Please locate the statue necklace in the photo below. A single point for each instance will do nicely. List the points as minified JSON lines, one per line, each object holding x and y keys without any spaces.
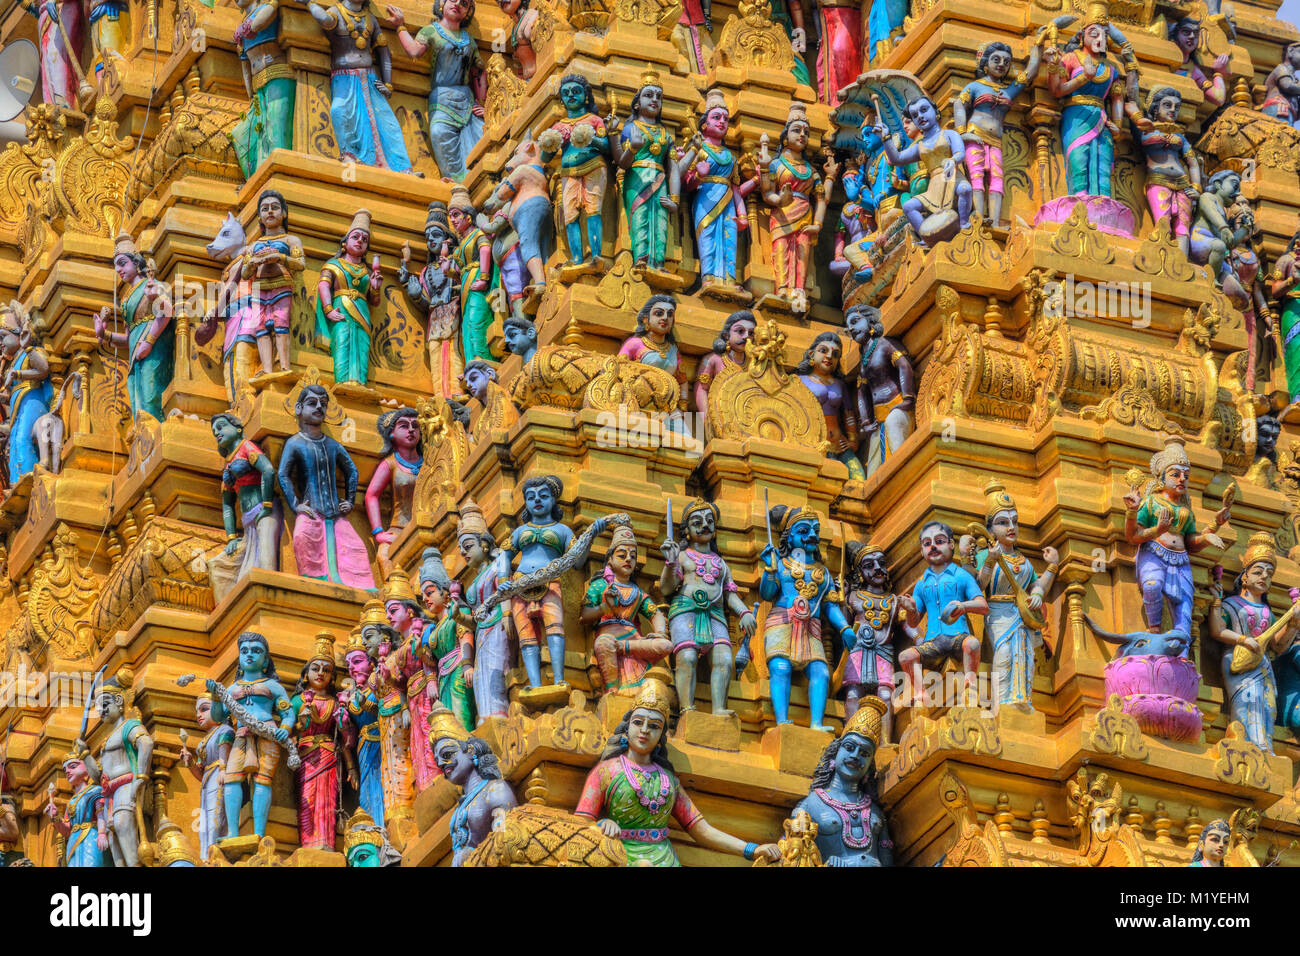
{"x":854,"y":817}
{"x":357,"y":25}
{"x":460,"y":819}
{"x":636,"y":779}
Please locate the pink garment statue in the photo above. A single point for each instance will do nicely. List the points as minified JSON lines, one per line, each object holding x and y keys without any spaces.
{"x":58,"y":75}
{"x":840,"y":54}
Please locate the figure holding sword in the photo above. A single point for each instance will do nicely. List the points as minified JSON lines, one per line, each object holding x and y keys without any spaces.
{"x":868,"y":663}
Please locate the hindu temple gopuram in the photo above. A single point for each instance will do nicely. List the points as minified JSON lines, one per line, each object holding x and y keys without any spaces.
{"x":649,"y":432}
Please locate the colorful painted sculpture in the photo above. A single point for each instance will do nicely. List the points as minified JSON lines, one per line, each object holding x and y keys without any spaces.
{"x":433,"y":289}
{"x":1015,"y":596}
{"x":1185,"y":32}
{"x":206,"y":765}
{"x":273,"y":265}
{"x":945,"y":596}
{"x":483,"y":385}
{"x":324,"y":541}
{"x":365,"y":843}
{"x":457,"y":81}
{"x":1214,"y":234}
{"x":363,"y":708}
{"x":478,"y":275}
{"x":1212,"y":844}
{"x":728,"y":351}
{"x":525,"y":20}
{"x":489,"y":568}
{"x":239,"y":347}
{"x":633,"y":793}
{"x":852,"y":243}
{"x":523,"y":193}
{"x":886,"y":392}
{"x":1173,"y":173}
{"x":613,"y":607}
{"x":945,"y":205}
{"x":884,"y":23}
{"x":110,"y":33}
{"x":867,"y":668}
{"x":123,"y":769}
{"x":693,"y":34}
{"x":400,"y":459}
{"x":700,"y":590}
{"x":711,"y":174}
{"x":651,"y":179}
{"x":979,"y":113}
{"x":842,"y":800}
{"x":261,"y":730}
{"x":365,"y":127}
{"x":840,"y":49}
{"x":802,"y":592}
{"x":346,"y":295}
{"x":323,"y":731}
{"x":84,"y":821}
{"x":581,"y":141}
{"x":508,"y":257}
{"x":448,"y":647}
{"x":797,"y":195}
{"x":1284,"y":290}
{"x":26,"y":387}
{"x":1282,"y":88}
{"x":269,"y":83}
{"x":654,"y":343}
{"x":410,"y":671}
{"x":61,"y":34}
{"x":789,"y":14}
{"x":520,"y":337}
{"x":470,"y":764}
{"x":1251,"y":634}
{"x":150,"y":339}
{"x":250,"y":511}
{"x":820,"y":370}
{"x":394,"y":721}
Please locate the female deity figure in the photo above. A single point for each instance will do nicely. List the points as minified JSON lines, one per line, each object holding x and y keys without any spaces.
{"x":1244,"y":624}
{"x":653,"y":341}
{"x":470,"y":764}
{"x":364,"y":124}
{"x":1282,"y":88}
{"x":1088,"y":83}
{"x":1186,"y":35}
{"x":524,"y":19}
{"x":407,"y":671}
{"x":61,"y":26}
{"x":633,"y":793}
{"x":84,"y":822}
{"x":718,"y":208}
{"x":399,"y":465}
{"x":489,"y":568}
{"x":248,"y":502}
{"x":728,"y":351}
{"x":457,"y":81}
{"x":1284,"y":290}
{"x":1212,"y":844}
{"x":1215,"y":232}
{"x":1162,"y":526}
{"x":979,"y":113}
{"x":651,"y":179}
{"x":581,"y":140}
{"x":272,"y":264}
{"x":150,"y":338}
{"x":869,"y":660}
{"x":347,"y":294}
{"x":540,"y":538}
{"x":1005,"y":575}
{"x":206,"y":765}
{"x":1173,"y":174}
{"x":26,"y":385}
{"x":840,"y":54}
{"x":612,"y":606}
{"x":322,"y":729}
{"x":110,"y":32}
{"x":947,"y":191}
{"x":433,"y":289}
{"x":478,"y":274}
{"x":269,"y":83}
{"x":803,"y":592}
{"x":393,"y":720}
{"x":258,"y":690}
{"x":700,"y":590}
{"x":363,"y":709}
{"x":324,"y":542}
{"x":448,"y":647}
{"x":820,"y":371}
{"x":797,"y":195}
{"x":886,"y":386}
{"x":524,"y":194}
{"x":842,"y":800}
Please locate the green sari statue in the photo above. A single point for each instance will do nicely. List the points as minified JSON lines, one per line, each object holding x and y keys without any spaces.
{"x":346,"y":294}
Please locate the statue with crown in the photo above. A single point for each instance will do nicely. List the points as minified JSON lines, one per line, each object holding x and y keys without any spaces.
{"x":149,"y":335}
{"x":469,"y":763}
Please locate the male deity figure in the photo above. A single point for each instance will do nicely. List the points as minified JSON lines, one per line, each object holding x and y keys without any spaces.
{"x":886,"y":386}
{"x":269,"y":83}
{"x":26,"y":391}
{"x":869,"y":660}
{"x":258,"y":691}
{"x":700,"y":590}
{"x":249,"y":508}
{"x":945,"y":596}
{"x":851,"y":825}
{"x":470,"y":764}
{"x":363,"y":708}
{"x":365,"y":126}
{"x":582,"y":143}
{"x":365,"y":843}
{"x":433,"y":289}
{"x":489,"y":568}
{"x":521,"y":338}
{"x":803,"y":592}
{"x":1213,"y":235}
{"x":122,"y":769}
{"x":1212,"y":845}
{"x":1282,"y":88}
{"x":324,"y":541}
{"x":1173,"y":174}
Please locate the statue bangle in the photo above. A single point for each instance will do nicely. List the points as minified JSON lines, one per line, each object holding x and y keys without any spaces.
{"x":749,"y":850}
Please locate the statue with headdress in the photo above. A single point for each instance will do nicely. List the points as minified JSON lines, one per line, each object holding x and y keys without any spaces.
{"x":1173,"y":172}
{"x":447,"y":646}
{"x":478,"y":274}
{"x":581,"y":143}
{"x":1212,"y":844}
{"x":324,"y":734}
{"x":347,"y":294}
{"x":433,"y":290}
{"x":409,"y":671}
{"x":365,"y":843}
{"x":393,"y":720}
{"x":400,"y":459}
{"x":150,"y":336}
{"x":26,"y":389}
{"x":866,"y":668}
{"x":269,"y":83}
{"x":1282,"y":88}
{"x":524,"y":195}
{"x":489,"y":568}
{"x":1188,"y":34}
{"x":123,"y":768}
{"x":83,"y":824}
{"x":469,"y":763}
{"x":248,"y":504}
{"x":842,"y":799}
{"x":362,"y":702}
{"x":206,"y":764}
{"x":651,"y":178}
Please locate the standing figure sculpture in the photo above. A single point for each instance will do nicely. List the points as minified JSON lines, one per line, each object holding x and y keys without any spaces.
{"x":410,"y":669}
{"x":110,"y":33}
{"x":700,"y":590}
{"x":869,"y":660}
{"x":842,"y":799}
{"x":653,"y":341}
{"x":61,"y":34}
{"x":1282,"y":88}
{"x":581,"y":140}
{"x":268,"y":82}
{"x":273,"y":264}
{"x":1250,"y":634}
{"x":802,"y":592}
{"x":524,"y":194}
{"x":1173,"y":173}
{"x":944,"y":207}
{"x":324,"y":542}
{"x":728,"y":352}
{"x":123,"y":769}
{"x":633,"y":794}
{"x":1186,"y":35}
{"x":250,"y":511}
{"x":821,"y":372}
{"x":478,"y":275}
{"x":239,"y":347}
{"x":612,"y":606}
{"x":448,"y":647}
{"x":26,"y":387}
{"x":433,"y":289}
{"x":470,"y":764}
{"x":1284,"y":290}
{"x":797,"y":195}
{"x":457,"y":81}
{"x":886,"y":392}
{"x":363,"y":709}
{"x":651,"y":179}
{"x":150,"y":339}
{"x":252,"y":755}
{"x":400,"y":459}
{"x":206,"y":765}
{"x":347,"y":294}
{"x":84,"y":822}
{"x":489,"y":569}
{"x":322,"y":730}
{"x":365,"y":127}
{"x":394,"y":720}
{"x":693,"y":35}
{"x":840,"y":53}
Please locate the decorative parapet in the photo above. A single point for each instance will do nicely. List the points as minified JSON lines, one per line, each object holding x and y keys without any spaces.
{"x":57,"y":612}
{"x":571,"y":729}
{"x":547,"y":836}
{"x":195,"y":138}
{"x":965,"y":729}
